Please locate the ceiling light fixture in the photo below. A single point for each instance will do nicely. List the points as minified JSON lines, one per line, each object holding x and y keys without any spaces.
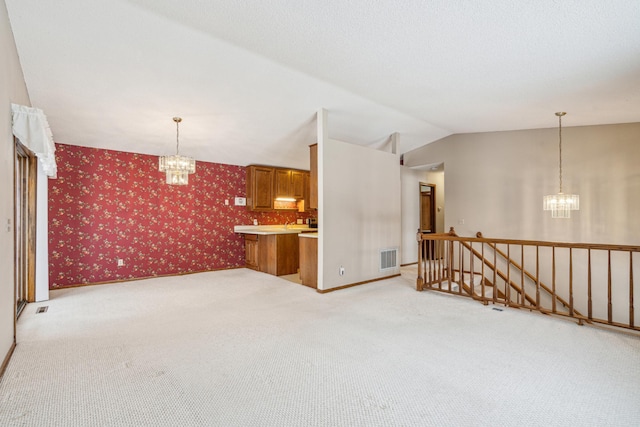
{"x":561,"y":204}
{"x":177,"y":167}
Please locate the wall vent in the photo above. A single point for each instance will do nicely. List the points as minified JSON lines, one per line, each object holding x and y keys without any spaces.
{"x":42,"y":309}
{"x":388,"y":259}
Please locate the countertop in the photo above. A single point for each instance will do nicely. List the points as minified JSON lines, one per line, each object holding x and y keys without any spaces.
{"x":311,"y":235}
{"x":274,"y":229}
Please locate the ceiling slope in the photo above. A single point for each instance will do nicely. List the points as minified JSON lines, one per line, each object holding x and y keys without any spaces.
{"x":248,"y":77}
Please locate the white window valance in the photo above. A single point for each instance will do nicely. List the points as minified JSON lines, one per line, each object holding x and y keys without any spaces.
{"x":31,"y":127}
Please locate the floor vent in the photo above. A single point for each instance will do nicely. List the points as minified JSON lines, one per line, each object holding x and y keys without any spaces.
{"x":388,"y":259}
{"x":42,"y":309}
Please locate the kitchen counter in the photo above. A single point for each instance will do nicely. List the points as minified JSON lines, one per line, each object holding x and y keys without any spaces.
{"x":311,"y":235}
{"x":265,"y":230}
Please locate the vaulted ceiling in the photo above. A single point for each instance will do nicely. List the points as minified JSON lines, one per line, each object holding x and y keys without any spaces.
{"x":247,"y":77}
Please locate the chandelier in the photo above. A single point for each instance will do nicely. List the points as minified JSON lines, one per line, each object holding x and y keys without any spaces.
{"x":561,"y":204}
{"x":177,"y":167}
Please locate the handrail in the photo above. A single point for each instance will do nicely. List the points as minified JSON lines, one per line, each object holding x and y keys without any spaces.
{"x":601,"y":285}
{"x":527,"y":273}
{"x":500,"y":274}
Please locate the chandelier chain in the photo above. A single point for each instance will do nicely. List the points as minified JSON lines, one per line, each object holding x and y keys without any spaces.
{"x":560,"y":146}
{"x":177,"y":120}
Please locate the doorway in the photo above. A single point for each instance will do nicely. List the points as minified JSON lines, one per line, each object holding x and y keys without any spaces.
{"x":428,"y":214}
{"x":427,"y":208}
{"x":25,"y":226}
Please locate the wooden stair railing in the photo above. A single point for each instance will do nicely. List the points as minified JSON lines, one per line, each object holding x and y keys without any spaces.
{"x":596,"y":278}
{"x":520,"y":290}
{"x":529,"y":276}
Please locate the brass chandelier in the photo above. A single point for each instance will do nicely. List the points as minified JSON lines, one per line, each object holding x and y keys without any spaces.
{"x":177,"y":167}
{"x":561,"y":204}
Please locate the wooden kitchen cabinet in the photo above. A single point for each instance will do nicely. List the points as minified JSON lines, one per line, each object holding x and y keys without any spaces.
{"x":276,"y":254}
{"x":289,"y":183}
{"x":306,"y":190}
{"x":282,"y":186}
{"x":251,"y":251}
{"x":279,"y":254}
{"x":309,"y":261}
{"x":297,"y":184}
{"x":260,"y":181}
{"x":313,"y":181}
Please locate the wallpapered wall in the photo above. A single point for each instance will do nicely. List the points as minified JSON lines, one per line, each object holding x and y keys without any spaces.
{"x":106,"y":205}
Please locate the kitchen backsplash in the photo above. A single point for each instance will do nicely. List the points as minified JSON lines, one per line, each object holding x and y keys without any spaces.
{"x":107,"y":205}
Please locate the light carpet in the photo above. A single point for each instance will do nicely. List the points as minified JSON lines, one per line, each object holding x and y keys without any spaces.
{"x":242,"y":348}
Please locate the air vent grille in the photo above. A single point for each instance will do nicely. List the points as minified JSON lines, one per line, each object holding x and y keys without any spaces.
{"x":388,"y":259}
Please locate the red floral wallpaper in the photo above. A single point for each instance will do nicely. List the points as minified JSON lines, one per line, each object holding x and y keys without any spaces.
{"x":107,"y":205}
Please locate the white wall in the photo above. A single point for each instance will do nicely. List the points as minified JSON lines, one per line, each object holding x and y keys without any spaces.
{"x":359,"y":211}
{"x":12,"y":89}
{"x":495,"y":182}
{"x":411,"y":179}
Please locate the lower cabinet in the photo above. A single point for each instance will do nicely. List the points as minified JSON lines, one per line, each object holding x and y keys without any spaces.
{"x":309,"y":262}
{"x":251,"y":251}
{"x":275,"y":254}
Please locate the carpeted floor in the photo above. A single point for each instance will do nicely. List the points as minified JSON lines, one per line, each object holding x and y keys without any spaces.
{"x":241,"y":348}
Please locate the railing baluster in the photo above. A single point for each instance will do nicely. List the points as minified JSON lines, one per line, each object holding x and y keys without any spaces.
{"x":631,"y":309}
{"x":571,"y":282}
{"x":471,"y":268}
{"x":450,"y":263}
{"x":553,"y":280}
{"x":460,"y":268}
{"x":522,"y":292}
{"x":590,"y":307}
{"x":508,"y":284}
{"x":495,"y":273}
{"x":420,"y":280}
{"x":610,"y":306}
{"x":482,"y":279}
{"x":537,"y":276}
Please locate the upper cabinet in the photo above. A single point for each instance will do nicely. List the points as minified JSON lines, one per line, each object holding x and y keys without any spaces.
{"x":289,"y":184}
{"x":297,"y":184}
{"x":260,"y":188}
{"x":265,"y":184}
{"x":313,"y":178}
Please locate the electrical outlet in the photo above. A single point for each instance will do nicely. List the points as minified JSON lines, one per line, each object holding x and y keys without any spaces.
{"x":226,"y":202}
{"x":341,"y":271}
{"x":120,"y":262}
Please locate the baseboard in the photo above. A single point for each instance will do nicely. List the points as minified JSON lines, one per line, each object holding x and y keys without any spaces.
{"x":324,"y":291}
{"x":7,"y":358}
{"x":80,"y":285}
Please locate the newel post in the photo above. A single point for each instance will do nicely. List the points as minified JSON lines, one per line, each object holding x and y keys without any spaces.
{"x":419,"y":280}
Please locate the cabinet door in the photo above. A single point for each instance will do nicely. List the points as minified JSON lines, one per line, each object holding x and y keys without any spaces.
{"x":251,"y":250}
{"x":283,"y":183}
{"x":297,"y":184}
{"x":260,"y":188}
{"x":307,"y":191}
{"x":313,"y":191}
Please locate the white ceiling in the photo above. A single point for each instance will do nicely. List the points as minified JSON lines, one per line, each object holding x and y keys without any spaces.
{"x":247,"y":77}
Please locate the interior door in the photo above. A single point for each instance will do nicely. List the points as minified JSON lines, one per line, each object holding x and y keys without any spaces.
{"x":427,"y":208}
{"x":428,"y":214}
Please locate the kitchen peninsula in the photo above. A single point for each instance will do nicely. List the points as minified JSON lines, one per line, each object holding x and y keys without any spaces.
{"x":272,"y":249}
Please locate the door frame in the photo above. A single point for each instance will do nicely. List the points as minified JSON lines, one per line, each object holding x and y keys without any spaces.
{"x":433,"y":205}
{"x":25,"y":186}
